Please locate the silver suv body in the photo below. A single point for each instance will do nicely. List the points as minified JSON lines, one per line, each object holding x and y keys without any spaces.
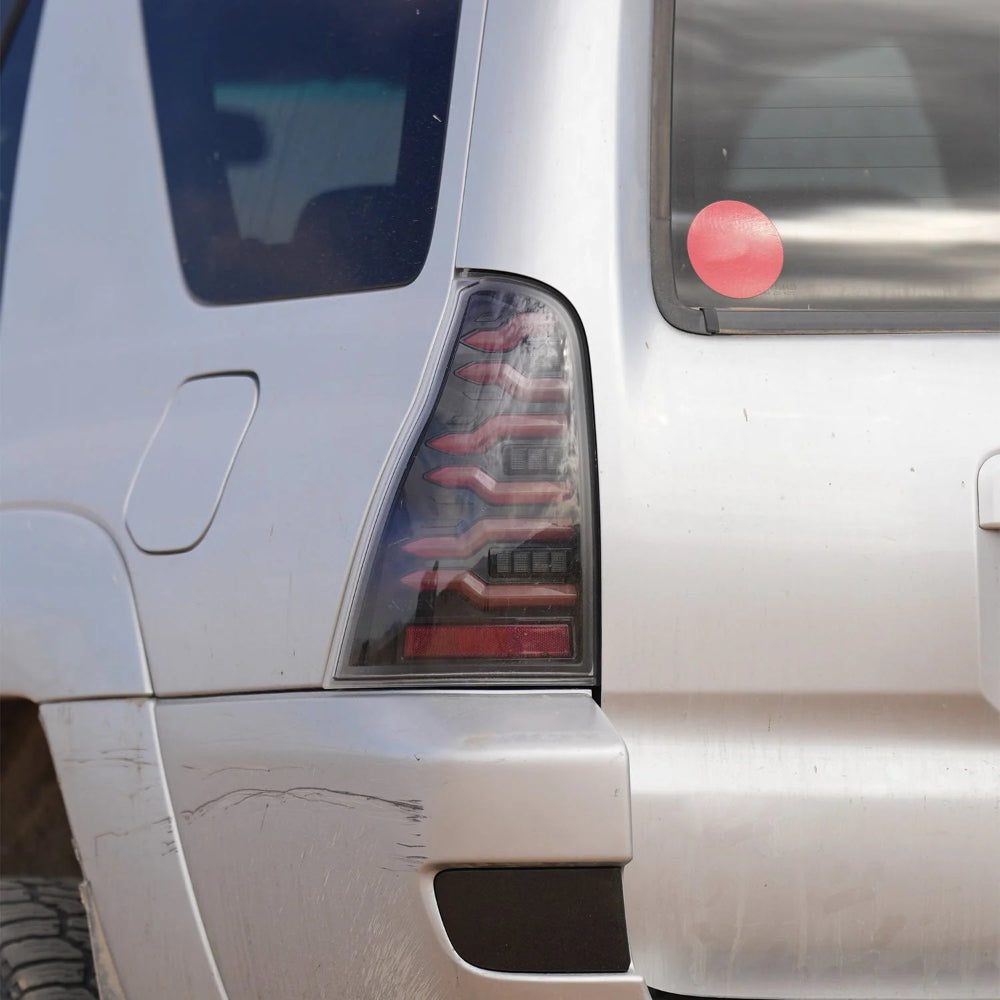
{"x":773,"y":732}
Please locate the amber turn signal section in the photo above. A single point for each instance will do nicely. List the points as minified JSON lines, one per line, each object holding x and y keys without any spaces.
{"x":482,"y":567}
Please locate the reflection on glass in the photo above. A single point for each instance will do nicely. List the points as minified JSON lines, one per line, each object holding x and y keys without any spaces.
{"x":302,"y":140}
{"x":868,"y":133}
{"x":319,"y":136}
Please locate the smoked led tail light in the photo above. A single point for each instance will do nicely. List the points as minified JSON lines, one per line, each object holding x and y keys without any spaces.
{"x":481,"y":566}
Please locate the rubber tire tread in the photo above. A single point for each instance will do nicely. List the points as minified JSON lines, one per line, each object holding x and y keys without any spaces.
{"x":44,"y":941}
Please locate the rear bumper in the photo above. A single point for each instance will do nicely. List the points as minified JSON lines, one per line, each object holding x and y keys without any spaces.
{"x":814,"y":846}
{"x":285,"y":845}
{"x":313,"y":827}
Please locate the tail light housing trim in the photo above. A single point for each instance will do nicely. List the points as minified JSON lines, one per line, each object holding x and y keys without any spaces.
{"x":479,"y":561}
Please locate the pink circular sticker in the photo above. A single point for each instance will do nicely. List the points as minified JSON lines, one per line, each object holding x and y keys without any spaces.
{"x":735,"y":249}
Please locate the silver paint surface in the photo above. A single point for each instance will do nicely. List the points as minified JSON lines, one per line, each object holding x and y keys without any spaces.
{"x":313,"y":825}
{"x":108,"y":761}
{"x":68,"y":626}
{"x":184,"y":470}
{"x":99,"y":331}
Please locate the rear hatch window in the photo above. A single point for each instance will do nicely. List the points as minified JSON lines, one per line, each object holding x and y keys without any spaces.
{"x":828,"y":166}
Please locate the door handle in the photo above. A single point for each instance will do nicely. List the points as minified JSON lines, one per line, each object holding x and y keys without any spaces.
{"x":989,"y":494}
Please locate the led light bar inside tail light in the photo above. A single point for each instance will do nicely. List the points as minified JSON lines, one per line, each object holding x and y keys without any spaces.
{"x":498,"y":429}
{"x":493,"y":596}
{"x":481,"y":565}
{"x":490,"y":529}
{"x":494,"y":491}
{"x":477,"y":641}
{"x":518,"y":384}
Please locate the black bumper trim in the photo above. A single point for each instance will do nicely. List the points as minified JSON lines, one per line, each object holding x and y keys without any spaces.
{"x":541,"y":920}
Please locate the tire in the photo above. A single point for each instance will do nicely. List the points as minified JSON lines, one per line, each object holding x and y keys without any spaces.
{"x":44,"y":941}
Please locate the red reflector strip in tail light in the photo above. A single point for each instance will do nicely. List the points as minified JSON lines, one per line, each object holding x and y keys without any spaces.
{"x":516,"y":383}
{"x":515,"y":331}
{"x":490,"y":529}
{"x":493,"y":596}
{"x":497,"y":429}
{"x":474,"y":642}
{"x":507,"y":493}
{"x":480,"y":565}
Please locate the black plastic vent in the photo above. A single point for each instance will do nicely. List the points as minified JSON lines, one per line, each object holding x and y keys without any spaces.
{"x":555,"y":920}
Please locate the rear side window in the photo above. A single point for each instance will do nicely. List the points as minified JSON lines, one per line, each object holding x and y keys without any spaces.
{"x":19,"y":22}
{"x":302,"y":140}
{"x":827,"y":166}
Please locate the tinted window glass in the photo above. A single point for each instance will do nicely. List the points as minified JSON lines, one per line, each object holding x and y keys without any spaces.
{"x":17,"y":47}
{"x":832,"y":157}
{"x":302,"y":139}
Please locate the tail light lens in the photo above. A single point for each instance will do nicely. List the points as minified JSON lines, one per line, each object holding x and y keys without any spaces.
{"x":482,"y":564}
